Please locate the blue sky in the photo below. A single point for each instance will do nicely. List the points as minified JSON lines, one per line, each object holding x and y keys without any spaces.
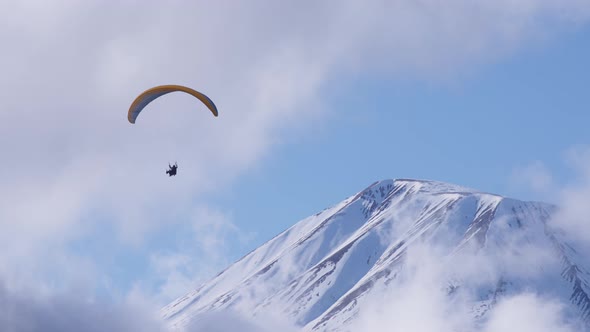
{"x":316,"y":101}
{"x":474,"y":129}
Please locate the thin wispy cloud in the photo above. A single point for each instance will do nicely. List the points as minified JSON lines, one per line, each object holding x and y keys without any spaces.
{"x":534,"y":176}
{"x":570,"y":197}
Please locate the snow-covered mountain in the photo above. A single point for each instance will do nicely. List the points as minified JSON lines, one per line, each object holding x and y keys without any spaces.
{"x":326,"y":268}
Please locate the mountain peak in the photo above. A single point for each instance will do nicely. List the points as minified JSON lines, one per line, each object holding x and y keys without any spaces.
{"x":320,"y":271}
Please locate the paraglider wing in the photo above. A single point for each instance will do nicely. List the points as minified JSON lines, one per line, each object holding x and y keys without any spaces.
{"x":151,"y":94}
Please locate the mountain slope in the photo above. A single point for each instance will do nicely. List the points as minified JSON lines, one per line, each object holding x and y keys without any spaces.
{"x":322,"y":271}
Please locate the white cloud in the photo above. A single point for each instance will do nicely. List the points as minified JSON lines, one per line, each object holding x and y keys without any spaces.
{"x":528,"y":313}
{"x":572,"y":199}
{"x":201,"y":248}
{"x":419,"y":298}
{"x":416,"y":300}
{"x":535,"y":176}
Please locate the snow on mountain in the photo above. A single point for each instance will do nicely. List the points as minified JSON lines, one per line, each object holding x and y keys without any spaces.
{"x":324,"y":270}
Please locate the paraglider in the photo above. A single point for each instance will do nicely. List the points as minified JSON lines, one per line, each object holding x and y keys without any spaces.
{"x":152,"y":94}
{"x":172,"y":170}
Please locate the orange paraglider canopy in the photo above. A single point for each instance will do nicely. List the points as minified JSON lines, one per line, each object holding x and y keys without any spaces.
{"x":151,"y":94}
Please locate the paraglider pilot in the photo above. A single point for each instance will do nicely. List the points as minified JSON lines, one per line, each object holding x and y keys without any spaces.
{"x":172,"y":170}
